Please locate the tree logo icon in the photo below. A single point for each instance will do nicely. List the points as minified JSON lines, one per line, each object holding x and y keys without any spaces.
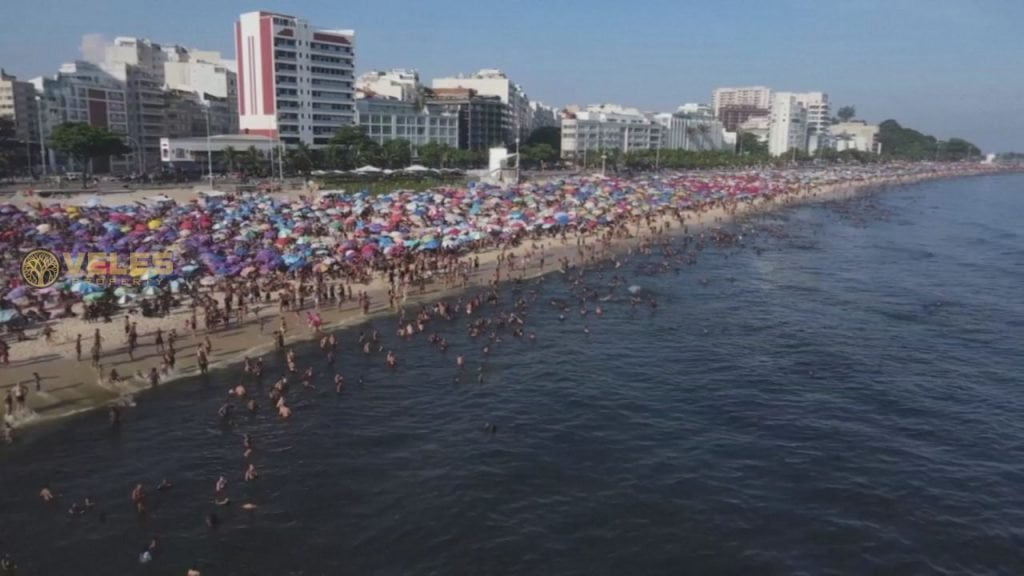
{"x":40,"y":268}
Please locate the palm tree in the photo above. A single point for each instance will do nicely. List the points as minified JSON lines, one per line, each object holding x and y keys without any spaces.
{"x":704,"y":130}
{"x":252,"y":162}
{"x":230,"y":158}
{"x":301,"y":158}
{"x":691,"y":131}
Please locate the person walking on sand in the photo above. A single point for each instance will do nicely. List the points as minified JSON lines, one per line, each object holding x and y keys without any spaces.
{"x":78,"y":347}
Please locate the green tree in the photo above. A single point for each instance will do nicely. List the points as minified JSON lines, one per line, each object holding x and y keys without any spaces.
{"x":252,"y":163}
{"x":539,"y":155}
{"x":300,"y":159}
{"x":351,"y":147}
{"x":229,"y":158}
{"x":435,"y":155}
{"x":847,"y":113}
{"x":84,"y":142}
{"x":550,"y":135}
{"x":750,"y":145}
{"x":396,"y":154}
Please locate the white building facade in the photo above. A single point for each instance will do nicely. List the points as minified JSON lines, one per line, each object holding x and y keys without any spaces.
{"x":493,"y":82}
{"x":84,"y":92}
{"x":607,"y":127}
{"x":856,"y":135}
{"x":295,"y":81}
{"x":18,"y":103}
{"x":681,"y":131}
{"x":397,"y":84}
{"x":787,"y":125}
{"x":386,"y":119}
{"x":819,"y":118}
{"x":750,"y":96}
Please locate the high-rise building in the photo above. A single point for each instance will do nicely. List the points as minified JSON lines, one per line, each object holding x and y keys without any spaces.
{"x":158,"y":78}
{"x":855,"y":135}
{"x":18,"y":103}
{"x":493,"y":82}
{"x":395,"y":84}
{"x":818,"y":118}
{"x":204,"y":74}
{"x":787,"y":124}
{"x":84,"y":92}
{"x":733,"y":116}
{"x":753,"y":96}
{"x":481,"y":118}
{"x":386,"y":119}
{"x":692,"y":127}
{"x":295,"y":81}
{"x":543,"y":115}
{"x":607,"y":127}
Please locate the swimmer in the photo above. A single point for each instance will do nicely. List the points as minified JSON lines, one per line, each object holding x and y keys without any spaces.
{"x":164,"y":485}
{"x":284,"y":412}
{"x":221,"y":484}
{"x":212,"y":520}
{"x":339,"y":383}
{"x":252,"y":406}
{"x":250,"y":473}
{"x":249,"y":506}
{"x":46,"y":495}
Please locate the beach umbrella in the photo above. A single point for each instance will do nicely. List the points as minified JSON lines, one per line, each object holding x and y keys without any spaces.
{"x":83,"y":287}
{"x":92,"y":297}
{"x":151,"y":291}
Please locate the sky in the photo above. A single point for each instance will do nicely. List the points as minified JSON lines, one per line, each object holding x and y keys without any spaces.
{"x":945,"y":67}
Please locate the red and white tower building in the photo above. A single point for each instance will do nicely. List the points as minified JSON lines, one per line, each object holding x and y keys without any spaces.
{"x":295,"y":81}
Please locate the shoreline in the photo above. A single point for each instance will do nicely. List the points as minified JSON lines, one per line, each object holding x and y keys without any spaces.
{"x":71,"y":387}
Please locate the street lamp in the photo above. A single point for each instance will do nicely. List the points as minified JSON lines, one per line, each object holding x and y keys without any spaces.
{"x":209,"y":148}
{"x":42,"y":143}
{"x":138,"y":158}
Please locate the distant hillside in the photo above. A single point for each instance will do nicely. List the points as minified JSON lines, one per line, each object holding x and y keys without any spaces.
{"x":909,"y":144}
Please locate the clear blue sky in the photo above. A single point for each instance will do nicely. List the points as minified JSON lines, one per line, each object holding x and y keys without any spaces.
{"x":948,"y":67}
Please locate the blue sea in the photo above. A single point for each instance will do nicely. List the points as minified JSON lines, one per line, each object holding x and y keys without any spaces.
{"x":838,"y":392}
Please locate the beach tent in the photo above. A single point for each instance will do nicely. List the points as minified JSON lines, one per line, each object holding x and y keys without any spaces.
{"x":367,"y":170}
{"x":417,"y":168}
{"x":9,"y":317}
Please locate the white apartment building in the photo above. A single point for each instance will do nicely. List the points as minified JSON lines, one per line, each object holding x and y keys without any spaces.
{"x":84,"y":92}
{"x":397,"y":84}
{"x":295,"y":81}
{"x":856,"y":135}
{"x":759,"y":126}
{"x":387,"y":119}
{"x":542,"y":116}
{"x":819,"y":118}
{"x":607,"y":127}
{"x":787,"y":124}
{"x":157,"y":78}
{"x":493,"y":82}
{"x":749,"y":96}
{"x":682,"y":131}
{"x":694,"y":109}
{"x":18,"y":103}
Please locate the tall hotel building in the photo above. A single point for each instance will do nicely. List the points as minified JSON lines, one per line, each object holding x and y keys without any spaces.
{"x":295,"y":81}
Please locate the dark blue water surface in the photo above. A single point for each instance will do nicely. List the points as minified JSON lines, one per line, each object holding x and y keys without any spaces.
{"x":847,"y":399}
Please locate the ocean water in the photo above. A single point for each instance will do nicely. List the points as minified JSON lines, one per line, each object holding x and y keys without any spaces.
{"x":840,"y":395}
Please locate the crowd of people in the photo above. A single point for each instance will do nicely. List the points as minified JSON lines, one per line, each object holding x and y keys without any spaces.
{"x":309,"y":256}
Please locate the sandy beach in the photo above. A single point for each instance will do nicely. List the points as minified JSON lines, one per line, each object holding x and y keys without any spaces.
{"x":68,"y":385}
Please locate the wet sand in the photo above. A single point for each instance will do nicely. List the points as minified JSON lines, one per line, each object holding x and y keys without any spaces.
{"x":69,"y":386}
